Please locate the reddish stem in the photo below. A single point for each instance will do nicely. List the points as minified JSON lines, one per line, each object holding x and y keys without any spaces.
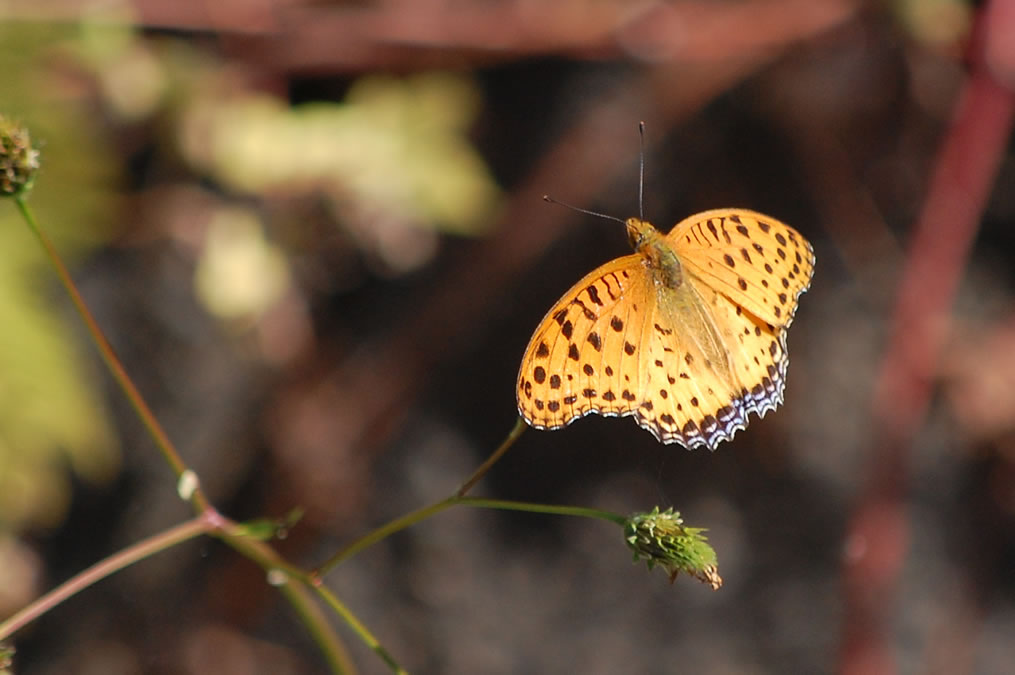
{"x":878,"y":533}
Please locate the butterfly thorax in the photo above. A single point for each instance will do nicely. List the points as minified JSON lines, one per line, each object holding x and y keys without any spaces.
{"x":678,"y":301}
{"x":659,"y":255}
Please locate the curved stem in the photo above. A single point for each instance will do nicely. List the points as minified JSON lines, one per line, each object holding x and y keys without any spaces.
{"x":317,"y":624}
{"x":512,"y":436}
{"x":382,"y":532}
{"x":365,"y":635}
{"x":158,"y":434}
{"x":416,"y":516}
{"x":298,"y":595}
{"x":209,"y":521}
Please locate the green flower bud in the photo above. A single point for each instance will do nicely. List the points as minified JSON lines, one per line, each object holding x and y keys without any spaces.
{"x":19,"y":159}
{"x":660,"y":538}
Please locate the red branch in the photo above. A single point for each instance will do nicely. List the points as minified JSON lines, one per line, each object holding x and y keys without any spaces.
{"x":878,"y":534}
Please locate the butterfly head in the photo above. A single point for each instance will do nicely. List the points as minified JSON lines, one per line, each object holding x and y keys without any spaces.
{"x":659,"y":255}
{"x":639,"y":232}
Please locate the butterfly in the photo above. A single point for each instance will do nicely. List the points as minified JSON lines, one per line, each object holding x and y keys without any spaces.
{"x":687,"y":335}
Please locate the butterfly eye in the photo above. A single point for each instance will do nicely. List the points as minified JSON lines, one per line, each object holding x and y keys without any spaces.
{"x":637,"y":231}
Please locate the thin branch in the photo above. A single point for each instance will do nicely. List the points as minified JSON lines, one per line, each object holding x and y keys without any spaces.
{"x":104,"y":568}
{"x":137,"y":402}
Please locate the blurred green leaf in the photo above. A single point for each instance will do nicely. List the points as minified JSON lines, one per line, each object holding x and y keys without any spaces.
{"x":51,"y":418}
{"x":394,"y":150}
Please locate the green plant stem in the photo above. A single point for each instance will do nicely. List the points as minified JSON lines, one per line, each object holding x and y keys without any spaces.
{"x":335,"y":653}
{"x":102,"y":569}
{"x":382,"y":532}
{"x":549,"y":509}
{"x":365,"y":635}
{"x":478,"y":474}
{"x":209,"y":521}
{"x":298,"y":595}
{"x":158,"y":434}
{"x":416,"y":516}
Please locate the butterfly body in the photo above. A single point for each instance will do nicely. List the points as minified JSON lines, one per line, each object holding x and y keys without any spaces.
{"x":687,"y":335}
{"x":678,"y":300}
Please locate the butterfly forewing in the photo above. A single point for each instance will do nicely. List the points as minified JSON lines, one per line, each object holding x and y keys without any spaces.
{"x":759,"y":262}
{"x":580,"y":358}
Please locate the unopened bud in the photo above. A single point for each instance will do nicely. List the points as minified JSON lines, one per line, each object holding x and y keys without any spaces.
{"x":660,"y":538}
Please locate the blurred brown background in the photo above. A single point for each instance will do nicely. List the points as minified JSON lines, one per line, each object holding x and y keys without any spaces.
{"x":314,"y":232}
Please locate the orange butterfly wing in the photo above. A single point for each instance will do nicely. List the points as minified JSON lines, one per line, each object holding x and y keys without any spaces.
{"x":689,"y":362}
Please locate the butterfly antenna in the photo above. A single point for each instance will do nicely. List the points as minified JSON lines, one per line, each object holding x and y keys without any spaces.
{"x":548,"y":198}
{"x":641,"y":173}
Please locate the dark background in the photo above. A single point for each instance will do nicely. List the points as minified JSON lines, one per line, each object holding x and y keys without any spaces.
{"x":865,"y":526}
